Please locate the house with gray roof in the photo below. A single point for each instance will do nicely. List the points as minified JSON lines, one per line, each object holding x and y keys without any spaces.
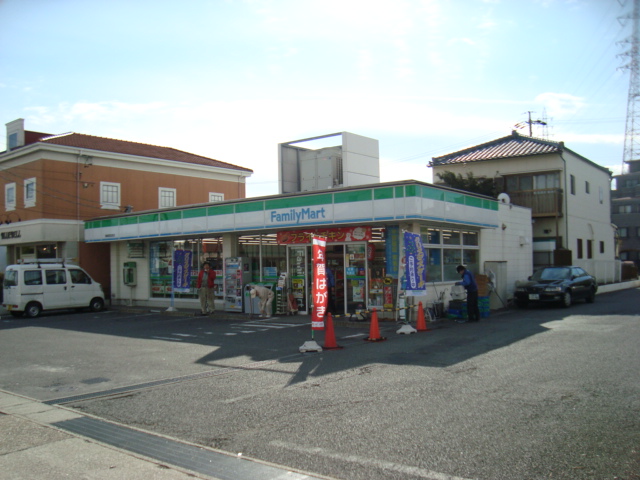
{"x":569,"y":196}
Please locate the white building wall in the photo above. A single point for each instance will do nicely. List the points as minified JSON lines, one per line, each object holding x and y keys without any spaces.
{"x":511,"y":243}
{"x":589,"y":215}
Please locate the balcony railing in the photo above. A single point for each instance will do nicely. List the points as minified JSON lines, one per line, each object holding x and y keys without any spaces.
{"x":546,"y":202}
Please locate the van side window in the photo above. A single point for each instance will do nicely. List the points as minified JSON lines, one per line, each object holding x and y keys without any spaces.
{"x":56,"y":277}
{"x":78,"y":276}
{"x":11,"y":278}
{"x":32,"y":277}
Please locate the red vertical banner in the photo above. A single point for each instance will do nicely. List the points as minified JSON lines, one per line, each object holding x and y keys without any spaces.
{"x":320,"y":288}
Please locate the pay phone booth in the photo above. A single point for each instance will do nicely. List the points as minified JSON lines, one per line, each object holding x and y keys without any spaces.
{"x":129,"y":274}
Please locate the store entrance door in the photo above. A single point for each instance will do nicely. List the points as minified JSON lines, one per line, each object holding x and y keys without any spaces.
{"x":348,"y":264}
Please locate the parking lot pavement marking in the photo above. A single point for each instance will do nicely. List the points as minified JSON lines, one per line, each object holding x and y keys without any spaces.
{"x":355,"y":459}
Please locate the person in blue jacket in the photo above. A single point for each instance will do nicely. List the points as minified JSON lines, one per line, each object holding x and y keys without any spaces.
{"x":470,"y":285}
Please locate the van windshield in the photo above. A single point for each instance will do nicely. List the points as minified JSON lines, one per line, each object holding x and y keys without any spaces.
{"x":10,"y":278}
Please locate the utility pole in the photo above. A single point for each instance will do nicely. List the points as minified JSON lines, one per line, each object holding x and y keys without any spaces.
{"x":531,"y":122}
{"x":632,"y":128}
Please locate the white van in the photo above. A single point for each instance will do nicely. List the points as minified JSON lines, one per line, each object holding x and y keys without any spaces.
{"x":31,"y":288}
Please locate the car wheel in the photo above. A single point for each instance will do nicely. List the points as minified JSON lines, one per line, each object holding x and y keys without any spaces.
{"x":96,"y":305}
{"x":566,"y":299}
{"x":591,"y":297}
{"x":33,"y":310}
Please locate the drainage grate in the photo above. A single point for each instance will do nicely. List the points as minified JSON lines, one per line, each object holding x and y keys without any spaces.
{"x":166,"y":451}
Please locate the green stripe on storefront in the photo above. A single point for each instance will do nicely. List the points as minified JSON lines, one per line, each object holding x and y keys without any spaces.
{"x":153,"y":217}
{"x":109,"y":222}
{"x":382,"y":193}
{"x":128,"y":221}
{"x":355,"y":196}
{"x":295,"y":202}
{"x":164,"y":216}
{"x":194,"y":213}
{"x":249,"y":207}
{"x":432,"y":193}
{"x":221,"y":210}
{"x":364,"y":195}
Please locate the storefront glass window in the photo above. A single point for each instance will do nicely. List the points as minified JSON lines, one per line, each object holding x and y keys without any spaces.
{"x":274,"y":256}
{"x":452,"y":258}
{"x":430,"y":236}
{"x":355,"y":277}
{"x":442,"y":262}
{"x":470,"y":259}
{"x":207,"y":250}
{"x":450,"y":237}
{"x":470,"y":238}
{"x":434,"y":265}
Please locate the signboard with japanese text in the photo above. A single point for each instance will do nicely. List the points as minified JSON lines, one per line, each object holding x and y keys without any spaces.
{"x":182,"y":270}
{"x":320,"y":287}
{"x":337,"y":234}
{"x":415,"y":264}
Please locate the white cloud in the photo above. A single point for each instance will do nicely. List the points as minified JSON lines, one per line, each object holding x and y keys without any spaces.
{"x":559,"y":104}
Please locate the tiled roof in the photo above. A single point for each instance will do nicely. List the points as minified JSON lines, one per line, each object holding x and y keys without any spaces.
{"x":91,"y":142}
{"x":514,"y":145}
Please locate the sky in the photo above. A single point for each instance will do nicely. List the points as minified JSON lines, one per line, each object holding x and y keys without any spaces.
{"x":231,"y":79}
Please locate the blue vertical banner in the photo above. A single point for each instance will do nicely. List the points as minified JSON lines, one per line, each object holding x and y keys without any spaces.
{"x":182,"y":270}
{"x":415,"y":267}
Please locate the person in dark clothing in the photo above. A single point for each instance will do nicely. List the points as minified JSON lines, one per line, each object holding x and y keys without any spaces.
{"x":470,"y":285}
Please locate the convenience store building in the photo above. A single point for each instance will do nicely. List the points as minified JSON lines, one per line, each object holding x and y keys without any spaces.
{"x":259,"y":239}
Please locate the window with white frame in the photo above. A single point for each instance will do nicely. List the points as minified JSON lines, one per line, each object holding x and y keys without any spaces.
{"x":10,"y":196}
{"x":448,"y":248}
{"x":216,"y":197}
{"x":110,"y":195}
{"x":166,"y":197}
{"x":30,"y":192}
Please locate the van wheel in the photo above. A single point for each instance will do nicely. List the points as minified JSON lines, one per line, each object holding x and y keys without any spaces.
{"x":33,"y":310}
{"x":96,"y":305}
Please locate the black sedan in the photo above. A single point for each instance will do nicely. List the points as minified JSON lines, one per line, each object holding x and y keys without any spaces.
{"x":557,"y":284}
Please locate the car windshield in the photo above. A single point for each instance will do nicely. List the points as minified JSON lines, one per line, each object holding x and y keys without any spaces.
{"x":558,"y":273}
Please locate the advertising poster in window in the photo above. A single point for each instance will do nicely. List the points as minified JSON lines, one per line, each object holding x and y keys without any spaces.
{"x":182,"y":270}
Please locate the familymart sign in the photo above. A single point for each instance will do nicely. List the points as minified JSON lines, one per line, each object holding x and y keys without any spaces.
{"x":297,"y":216}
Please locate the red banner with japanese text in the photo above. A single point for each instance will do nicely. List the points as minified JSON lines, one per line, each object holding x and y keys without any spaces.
{"x":320,"y":288}
{"x":337,"y":234}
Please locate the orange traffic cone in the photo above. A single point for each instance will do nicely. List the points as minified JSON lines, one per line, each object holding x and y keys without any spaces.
{"x":421,"y":324}
{"x":329,"y":335}
{"x":374,"y":331}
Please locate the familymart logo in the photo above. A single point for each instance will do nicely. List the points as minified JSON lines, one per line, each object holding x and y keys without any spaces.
{"x":298,"y":215}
